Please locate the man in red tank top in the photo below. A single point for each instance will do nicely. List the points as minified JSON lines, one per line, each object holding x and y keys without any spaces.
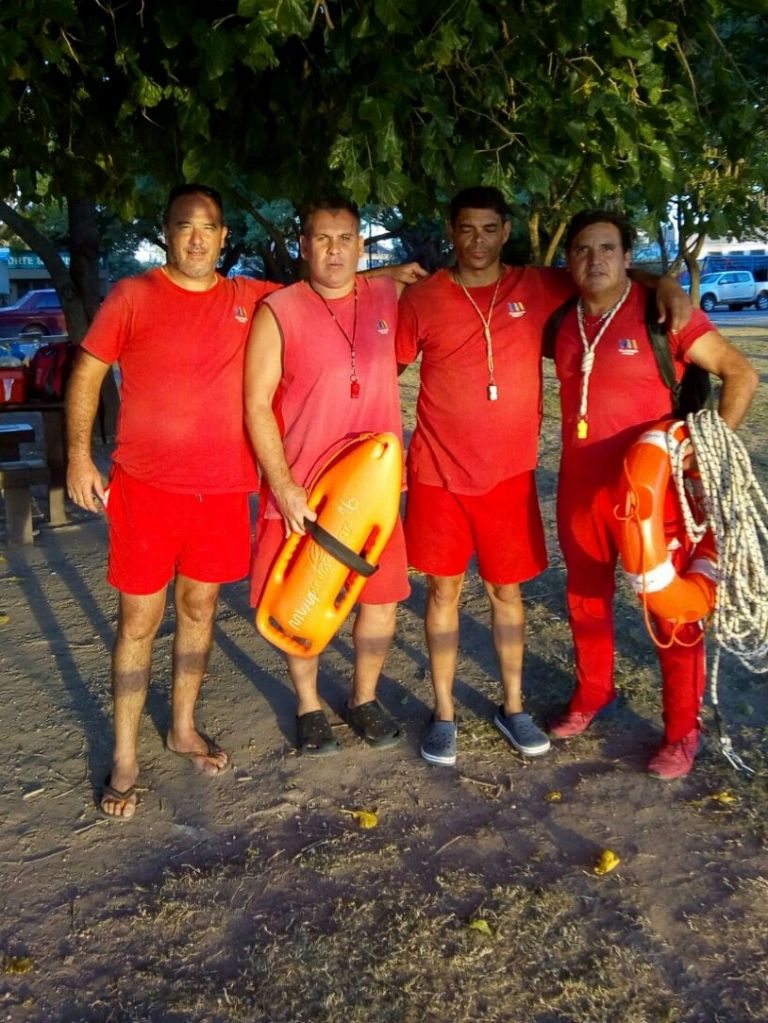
{"x":320,"y":368}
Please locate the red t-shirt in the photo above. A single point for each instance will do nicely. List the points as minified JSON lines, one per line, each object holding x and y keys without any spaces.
{"x":626,"y":391}
{"x":181,"y":355}
{"x":463,"y":441}
{"x":313,"y":402}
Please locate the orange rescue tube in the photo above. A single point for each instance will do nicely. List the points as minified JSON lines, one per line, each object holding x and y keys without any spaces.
{"x":679,"y":598}
{"x":309,"y":591}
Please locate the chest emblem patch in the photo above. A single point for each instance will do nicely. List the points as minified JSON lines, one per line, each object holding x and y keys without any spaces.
{"x":515,"y":309}
{"x":382,"y":327}
{"x":241,"y":314}
{"x":628,"y":346}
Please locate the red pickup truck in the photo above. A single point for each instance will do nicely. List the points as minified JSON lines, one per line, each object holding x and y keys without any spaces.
{"x":37,"y":313}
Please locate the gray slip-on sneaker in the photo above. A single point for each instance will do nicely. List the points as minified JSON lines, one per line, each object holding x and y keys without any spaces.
{"x":439,"y":743}
{"x":520,"y":730}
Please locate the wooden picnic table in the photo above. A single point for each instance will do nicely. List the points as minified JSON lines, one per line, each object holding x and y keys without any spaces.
{"x":54,"y":427}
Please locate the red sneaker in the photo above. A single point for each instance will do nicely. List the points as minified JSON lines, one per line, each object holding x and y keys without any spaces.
{"x":675,"y":759}
{"x":572,"y":723}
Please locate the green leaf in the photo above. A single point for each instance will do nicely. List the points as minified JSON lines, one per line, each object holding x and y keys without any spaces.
{"x":148,"y":93}
{"x":390,"y":14}
{"x":375,"y":111}
{"x":664,"y":159}
{"x":601,"y":182}
{"x":191,"y":164}
{"x":258,"y":53}
{"x":388,"y":146}
{"x":253,"y":8}
{"x":467,"y":165}
{"x":619,"y":11}
{"x":537,"y":180}
{"x":291,"y":17}
{"x":393,"y":187}
{"x":171,"y":24}
{"x":363,"y":27}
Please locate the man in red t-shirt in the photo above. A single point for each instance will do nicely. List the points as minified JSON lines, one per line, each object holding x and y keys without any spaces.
{"x":177,"y":500}
{"x":471,"y":460}
{"x":471,"y":488}
{"x":610,"y":390}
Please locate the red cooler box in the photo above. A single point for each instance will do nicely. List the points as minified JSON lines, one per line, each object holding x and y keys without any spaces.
{"x":13,"y":384}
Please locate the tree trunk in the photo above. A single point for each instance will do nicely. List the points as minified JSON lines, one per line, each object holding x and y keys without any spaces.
{"x":691,"y":250}
{"x":84,"y":270}
{"x":84,"y":252}
{"x":554,"y":241}
{"x":534,"y":221}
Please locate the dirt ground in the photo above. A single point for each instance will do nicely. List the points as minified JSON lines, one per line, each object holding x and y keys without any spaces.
{"x":259,"y":896}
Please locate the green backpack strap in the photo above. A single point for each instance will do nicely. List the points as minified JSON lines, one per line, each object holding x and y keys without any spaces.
{"x":657,"y":334}
{"x":693,"y":391}
{"x":552,"y":326}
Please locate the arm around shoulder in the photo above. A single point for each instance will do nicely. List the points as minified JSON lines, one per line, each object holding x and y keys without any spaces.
{"x":672,"y":303}
{"x":402,"y":274}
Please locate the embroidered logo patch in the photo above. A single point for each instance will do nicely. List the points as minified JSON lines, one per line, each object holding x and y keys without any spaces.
{"x":241,"y":314}
{"x":515,"y":309}
{"x":628,"y":346}
{"x":382,"y":327}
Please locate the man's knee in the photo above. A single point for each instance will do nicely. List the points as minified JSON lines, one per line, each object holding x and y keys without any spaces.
{"x":378,"y":618}
{"x":196,"y":601}
{"x":444,"y":590}
{"x":140,"y":616}
{"x":507,"y":594}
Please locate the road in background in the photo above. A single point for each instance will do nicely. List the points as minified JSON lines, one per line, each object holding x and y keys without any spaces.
{"x":724,"y":318}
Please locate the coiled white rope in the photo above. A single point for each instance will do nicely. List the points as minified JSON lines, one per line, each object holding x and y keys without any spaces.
{"x":735,"y":509}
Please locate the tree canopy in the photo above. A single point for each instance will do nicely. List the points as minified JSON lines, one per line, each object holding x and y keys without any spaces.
{"x":396,"y":102}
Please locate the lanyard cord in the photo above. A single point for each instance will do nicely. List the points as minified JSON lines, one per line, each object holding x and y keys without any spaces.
{"x":588,"y":359}
{"x":486,"y":322}
{"x":354,"y":383}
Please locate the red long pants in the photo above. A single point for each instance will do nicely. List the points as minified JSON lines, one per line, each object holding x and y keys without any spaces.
{"x":588,"y":530}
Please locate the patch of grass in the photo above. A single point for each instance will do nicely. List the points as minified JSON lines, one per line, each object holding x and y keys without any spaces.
{"x":395,"y":952}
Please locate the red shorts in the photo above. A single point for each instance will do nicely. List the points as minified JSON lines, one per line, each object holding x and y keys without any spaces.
{"x":155,"y":534}
{"x":503,"y":527}
{"x":386,"y":586}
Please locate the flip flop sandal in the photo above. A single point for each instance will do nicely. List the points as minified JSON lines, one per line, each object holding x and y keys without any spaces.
{"x":316,"y":738}
{"x":212,"y":750}
{"x":374,"y":724}
{"x":118,"y":796}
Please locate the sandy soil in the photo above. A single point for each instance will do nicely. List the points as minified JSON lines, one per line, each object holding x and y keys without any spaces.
{"x":258,"y":896}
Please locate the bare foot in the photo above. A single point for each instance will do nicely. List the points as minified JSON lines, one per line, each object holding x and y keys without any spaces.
{"x":116,"y":801}
{"x":205,"y":754}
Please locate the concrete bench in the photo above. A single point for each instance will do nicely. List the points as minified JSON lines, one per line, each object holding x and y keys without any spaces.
{"x":11,"y":436}
{"x":16,"y":479}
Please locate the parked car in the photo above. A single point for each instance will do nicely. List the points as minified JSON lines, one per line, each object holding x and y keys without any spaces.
{"x":734,"y":288}
{"x":38,"y":313}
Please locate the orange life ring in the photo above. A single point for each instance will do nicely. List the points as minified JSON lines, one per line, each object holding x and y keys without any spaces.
{"x":310,"y":591}
{"x":679,"y":598}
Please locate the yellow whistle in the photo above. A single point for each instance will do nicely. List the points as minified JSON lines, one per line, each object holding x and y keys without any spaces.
{"x":581,"y":429}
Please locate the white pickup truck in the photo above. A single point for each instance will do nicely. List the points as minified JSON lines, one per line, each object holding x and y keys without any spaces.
{"x":734,"y":288}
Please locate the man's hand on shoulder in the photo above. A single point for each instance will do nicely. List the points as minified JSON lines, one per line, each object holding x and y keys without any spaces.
{"x":402,"y":274}
{"x":674,"y":304}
